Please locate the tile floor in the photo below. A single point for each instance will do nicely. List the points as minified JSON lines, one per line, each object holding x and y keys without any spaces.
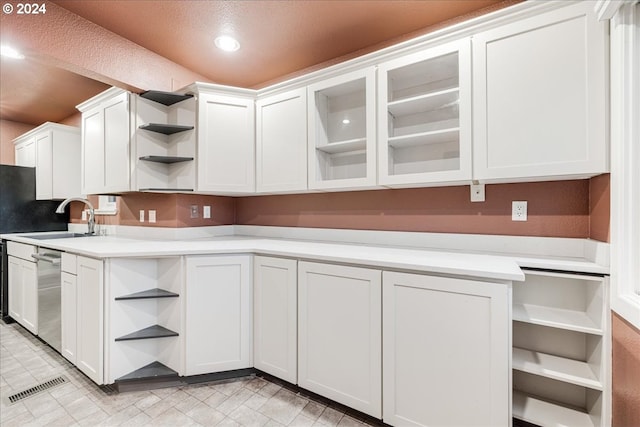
{"x":25,"y":362}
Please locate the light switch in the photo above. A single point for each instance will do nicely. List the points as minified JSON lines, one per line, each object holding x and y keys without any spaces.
{"x":152,"y":216}
{"x":206,"y":212}
{"x":141,"y":215}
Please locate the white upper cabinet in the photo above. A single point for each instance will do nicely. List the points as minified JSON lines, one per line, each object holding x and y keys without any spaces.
{"x":281,"y":142}
{"x":25,"y":152}
{"x":106,"y":137}
{"x":226,"y":149}
{"x":424,"y":117}
{"x":540,"y":97}
{"x":54,"y":150}
{"x":342,"y":133}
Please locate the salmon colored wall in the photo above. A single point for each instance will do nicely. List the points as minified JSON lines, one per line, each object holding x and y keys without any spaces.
{"x":559,"y":209}
{"x":172,"y":210}
{"x":626,"y":373}
{"x":599,"y":207}
{"x":8,"y":132}
{"x":73,"y":120}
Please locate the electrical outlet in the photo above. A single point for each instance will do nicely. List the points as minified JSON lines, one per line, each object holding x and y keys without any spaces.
{"x":141,"y":215}
{"x":152,"y":215}
{"x":84,"y":215}
{"x":518,"y":211}
{"x":477,"y":192}
{"x":206,"y":212}
{"x":194,"y":211}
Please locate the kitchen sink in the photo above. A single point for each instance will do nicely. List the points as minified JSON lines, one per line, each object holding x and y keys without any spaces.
{"x":64,"y":235}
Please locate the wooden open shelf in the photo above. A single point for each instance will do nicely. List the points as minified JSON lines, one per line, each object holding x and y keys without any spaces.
{"x":166,"y":159}
{"x":556,"y":318}
{"x":537,"y":411}
{"x":165,"y":129}
{"x":164,"y":98}
{"x":154,"y":370}
{"x":151,"y":293}
{"x":155,"y":331}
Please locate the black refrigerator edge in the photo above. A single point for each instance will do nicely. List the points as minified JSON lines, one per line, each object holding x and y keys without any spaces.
{"x":20,"y":212}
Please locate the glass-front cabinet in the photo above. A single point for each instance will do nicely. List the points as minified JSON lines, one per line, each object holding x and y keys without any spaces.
{"x":424,"y":117}
{"x":342,"y":142}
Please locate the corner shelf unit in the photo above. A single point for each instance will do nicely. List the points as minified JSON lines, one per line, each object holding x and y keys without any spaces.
{"x":165,"y":142}
{"x":424,"y":117}
{"x":342,"y":132}
{"x":561,"y":350}
{"x":145,"y":318}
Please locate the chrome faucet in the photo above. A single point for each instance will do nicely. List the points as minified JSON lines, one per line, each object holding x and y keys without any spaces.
{"x":92,"y":218}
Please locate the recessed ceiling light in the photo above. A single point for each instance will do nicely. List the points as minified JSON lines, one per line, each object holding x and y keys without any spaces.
{"x":10,"y":52}
{"x":227,"y":43}
{"x":346,"y":121}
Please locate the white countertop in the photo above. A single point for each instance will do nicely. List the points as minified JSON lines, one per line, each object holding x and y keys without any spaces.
{"x":423,"y":260}
{"x":483,"y":256}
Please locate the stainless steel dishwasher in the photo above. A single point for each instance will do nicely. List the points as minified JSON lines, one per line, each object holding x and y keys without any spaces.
{"x":49,"y":297}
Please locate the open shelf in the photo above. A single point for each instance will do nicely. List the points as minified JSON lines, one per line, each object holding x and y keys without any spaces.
{"x":344,"y":146}
{"x":426,"y":102}
{"x":167,"y":190}
{"x":558,"y":368}
{"x":151,"y":293}
{"x":166,"y":159}
{"x":154,"y":370}
{"x":164,"y":98}
{"x":537,"y":411}
{"x":555,"y":317}
{"x":425,"y":138}
{"x":155,"y":331}
{"x":165,"y":129}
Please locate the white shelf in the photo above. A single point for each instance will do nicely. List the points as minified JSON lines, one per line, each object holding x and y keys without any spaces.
{"x":557,"y":368}
{"x":425,"y":138}
{"x":422,"y":103}
{"x":556,"y":318}
{"x":344,"y":146}
{"x":530,"y":409}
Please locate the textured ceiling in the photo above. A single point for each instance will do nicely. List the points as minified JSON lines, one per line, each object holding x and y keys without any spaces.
{"x":278,"y":38}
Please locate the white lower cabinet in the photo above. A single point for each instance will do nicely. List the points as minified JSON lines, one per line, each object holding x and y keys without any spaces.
{"x":339,"y":334}
{"x":23,"y":286}
{"x":218,"y":314}
{"x":68,"y":316}
{"x":275,"y":296}
{"x":89,"y":316}
{"x":446,"y":351}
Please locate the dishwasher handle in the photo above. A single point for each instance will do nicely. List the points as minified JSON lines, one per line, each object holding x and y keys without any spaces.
{"x":52,"y":259}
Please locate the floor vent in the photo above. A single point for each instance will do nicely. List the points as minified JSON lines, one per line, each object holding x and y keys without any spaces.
{"x":37,"y":389}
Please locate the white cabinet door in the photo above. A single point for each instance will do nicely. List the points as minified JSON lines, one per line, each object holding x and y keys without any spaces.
{"x":29,"y":296}
{"x":44,"y":166}
{"x":14,"y":271}
{"x":92,"y":151}
{"x":68,"y":315}
{"x":342,"y":132}
{"x":540,"y":97}
{"x":226,"y":151}
{"x":275,"y":341}
{"x":117,"y":137}
{"x":23,"y":293}
{"x":106,"y":139}
{"x":424,"y":117}
{"x":281,"y":142}
{"x":339,"y":334}
{"x":218,"y":314}
{"x":90,"y":318}
{"x":446,"y":351}
{"x":25,"y":153}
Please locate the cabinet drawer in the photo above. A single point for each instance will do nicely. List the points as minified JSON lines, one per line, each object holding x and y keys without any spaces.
{"x":69,"y":263}
{"x":20,"y":250}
